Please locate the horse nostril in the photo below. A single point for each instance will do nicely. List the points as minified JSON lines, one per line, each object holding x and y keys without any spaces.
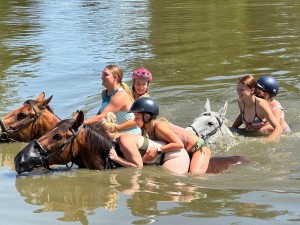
{"x":3,"y":136}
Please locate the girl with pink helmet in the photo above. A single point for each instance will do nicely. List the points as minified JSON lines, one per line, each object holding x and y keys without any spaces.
{"x":141,"y":79}
{"x":140,"y":85}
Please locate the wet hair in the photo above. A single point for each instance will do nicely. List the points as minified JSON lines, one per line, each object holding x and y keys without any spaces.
{"x":149,"y":128}
{"x":250,"y":82}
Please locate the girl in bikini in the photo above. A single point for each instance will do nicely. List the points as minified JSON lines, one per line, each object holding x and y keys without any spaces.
{"x":255,"y":112}
{"x":146,"y":110}
{"x":268,"y":89}
{"x":167,"y":149}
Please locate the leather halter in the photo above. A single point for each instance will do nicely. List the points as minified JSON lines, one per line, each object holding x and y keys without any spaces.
{"x":46,"y":154}
{"x":4,"y":135}
{"x":205,"y":137}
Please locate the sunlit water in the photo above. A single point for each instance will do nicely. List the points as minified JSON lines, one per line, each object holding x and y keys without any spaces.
{"x":195,"y":50}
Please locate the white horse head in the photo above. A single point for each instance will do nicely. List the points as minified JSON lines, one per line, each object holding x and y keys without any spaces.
{"x":211,"y":125}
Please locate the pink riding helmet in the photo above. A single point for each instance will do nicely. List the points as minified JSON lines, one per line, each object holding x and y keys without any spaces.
{"x":142,"y":73}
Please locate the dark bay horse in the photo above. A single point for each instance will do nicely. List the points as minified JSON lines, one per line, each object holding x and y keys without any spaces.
{"x":87,"y":147}
{"x":30,"y":121}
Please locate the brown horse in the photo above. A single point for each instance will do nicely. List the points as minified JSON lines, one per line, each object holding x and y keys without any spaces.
{"x":70,"y":141}
{"x":30,"y":121}
{"x":87,"y":147}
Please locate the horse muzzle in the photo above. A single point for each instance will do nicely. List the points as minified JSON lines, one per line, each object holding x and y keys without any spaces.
{"x":4,"y":137}
{"x":28,"y":158}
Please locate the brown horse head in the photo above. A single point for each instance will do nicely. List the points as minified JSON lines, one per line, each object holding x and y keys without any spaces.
{"x":30,"y":121}
{"x":70,"y":141}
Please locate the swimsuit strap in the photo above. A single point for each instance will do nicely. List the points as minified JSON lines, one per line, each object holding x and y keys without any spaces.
{"x":144,"y":147}
{"x":243,"y":114}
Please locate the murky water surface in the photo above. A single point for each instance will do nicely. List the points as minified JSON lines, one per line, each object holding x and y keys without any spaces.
{"x":195,"y":50}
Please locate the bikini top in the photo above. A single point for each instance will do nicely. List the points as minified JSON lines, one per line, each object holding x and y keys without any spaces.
{"x":257,"y":122}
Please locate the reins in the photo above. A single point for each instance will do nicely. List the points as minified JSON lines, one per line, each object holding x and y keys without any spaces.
{"x":4,"y":136}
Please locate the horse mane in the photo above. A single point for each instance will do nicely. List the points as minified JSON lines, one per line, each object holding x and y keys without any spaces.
{"x":98,"y":141}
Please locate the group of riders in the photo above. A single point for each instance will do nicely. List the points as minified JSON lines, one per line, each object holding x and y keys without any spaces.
{"x":130,"y":118}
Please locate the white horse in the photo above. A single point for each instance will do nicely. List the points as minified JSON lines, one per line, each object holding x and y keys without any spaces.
{"x":211,"y":125}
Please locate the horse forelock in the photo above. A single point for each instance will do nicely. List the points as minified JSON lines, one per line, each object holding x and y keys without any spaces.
{"x":65,"y":124}
{"x":33,"y":102}
{"x":97,"y":140}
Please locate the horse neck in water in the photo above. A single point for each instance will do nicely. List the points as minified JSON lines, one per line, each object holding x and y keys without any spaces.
{"x":211,"y":125}
{"x":30,"y":121}
{"x":91,"y":148}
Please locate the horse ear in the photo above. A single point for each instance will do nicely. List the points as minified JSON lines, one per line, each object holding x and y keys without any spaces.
{"x":40,"y":97}
{"x":45,"y":102}
{"x":78,"y":121}
{"x":75,"y":114}
{"x":223,"y":110}
{"x":207,"y":106}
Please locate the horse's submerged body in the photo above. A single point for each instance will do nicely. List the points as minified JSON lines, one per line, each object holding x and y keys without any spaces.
{"x":30,"y":121}
{"x":210,"y":126}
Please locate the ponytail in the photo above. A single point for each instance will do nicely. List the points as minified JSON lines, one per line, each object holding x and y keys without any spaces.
{"x":128,"y":91}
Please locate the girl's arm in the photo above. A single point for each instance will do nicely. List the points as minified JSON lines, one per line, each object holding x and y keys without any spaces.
{"x":126,"y":125}
{"x":268,"y":114}
{"x":277,"y":113}
{"x":115,"y":105}
{"x":121,"y":161}
{"x":129,"y":148}
{"x":238,"y":121}
{"x":164,"y":133}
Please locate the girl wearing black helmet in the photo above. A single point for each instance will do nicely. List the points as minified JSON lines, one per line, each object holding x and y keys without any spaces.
{"x":145,"y":111}
{"x":255,"y":112}
{"x":269,"y":88}
{"x":167,"y":149}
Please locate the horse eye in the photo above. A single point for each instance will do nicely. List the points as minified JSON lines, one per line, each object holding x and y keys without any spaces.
{"x":210,"y":124}
{"x":57,"y":137}
{"x":21,"y":116}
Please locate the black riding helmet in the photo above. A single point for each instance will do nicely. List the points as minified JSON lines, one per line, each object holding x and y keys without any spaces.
{"x":145,"y":105}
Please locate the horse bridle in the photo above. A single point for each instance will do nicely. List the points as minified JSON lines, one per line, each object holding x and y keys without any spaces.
{"x":205,"y":137}
{"x":46,"y":155}
{"x":5,"y":133}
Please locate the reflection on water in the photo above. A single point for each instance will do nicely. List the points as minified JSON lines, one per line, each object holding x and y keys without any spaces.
{"x":149,"y":196}
{"x":195,"y":50}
